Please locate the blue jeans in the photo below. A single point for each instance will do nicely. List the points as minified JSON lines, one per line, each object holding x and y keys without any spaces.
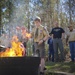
{"x":72,"y":50}
{"x":51,"y":55}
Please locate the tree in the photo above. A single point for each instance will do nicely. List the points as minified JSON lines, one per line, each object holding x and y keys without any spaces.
{"x":69,"y":9}
{"x":2,"y":5}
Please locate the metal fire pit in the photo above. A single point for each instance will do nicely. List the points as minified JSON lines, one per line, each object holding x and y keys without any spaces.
{"x":19,"y":65}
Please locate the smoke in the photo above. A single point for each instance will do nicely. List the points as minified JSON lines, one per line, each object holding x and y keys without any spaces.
{"x":19,"y":19}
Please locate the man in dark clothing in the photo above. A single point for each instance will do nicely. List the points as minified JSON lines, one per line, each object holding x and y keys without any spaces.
{"x":57,"y":41}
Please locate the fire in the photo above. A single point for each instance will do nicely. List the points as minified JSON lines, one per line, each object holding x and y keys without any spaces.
{"x":28,"y":35}
{"x":25,"y":33}
{"x":8,"y":52}
{"x":16,"y":50}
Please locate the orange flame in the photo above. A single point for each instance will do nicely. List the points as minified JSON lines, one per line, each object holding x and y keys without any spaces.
{"x":28,"y":35}
{"x":16,"y":50}
{"x":25,"y":33}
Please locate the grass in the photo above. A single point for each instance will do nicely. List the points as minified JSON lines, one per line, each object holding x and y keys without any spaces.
{"x":68,"y":67}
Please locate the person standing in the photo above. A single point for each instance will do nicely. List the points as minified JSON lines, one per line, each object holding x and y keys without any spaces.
{"x":58,"y":35}
{"x":51,"y":48}
{"x":71,"y":40}
{"x":39,"y":35}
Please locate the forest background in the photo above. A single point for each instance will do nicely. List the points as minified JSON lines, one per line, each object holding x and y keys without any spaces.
{"x":15,"y":13}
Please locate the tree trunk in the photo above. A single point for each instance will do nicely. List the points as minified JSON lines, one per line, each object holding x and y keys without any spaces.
{"x":70,"y":20}
{"x":0,"y":18}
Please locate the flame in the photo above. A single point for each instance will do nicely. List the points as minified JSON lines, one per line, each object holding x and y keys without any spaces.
{"x":28,"y":35}
{"x":7,"y":53}
{"x":16,"y":50}
{"x":25,"y":33}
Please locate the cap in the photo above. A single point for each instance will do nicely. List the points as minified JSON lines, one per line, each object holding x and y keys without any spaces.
{"x":37,"y":19}
{"x":70,"y":26}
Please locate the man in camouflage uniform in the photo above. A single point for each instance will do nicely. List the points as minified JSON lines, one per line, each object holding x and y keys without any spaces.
{"x":39,"y":35}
